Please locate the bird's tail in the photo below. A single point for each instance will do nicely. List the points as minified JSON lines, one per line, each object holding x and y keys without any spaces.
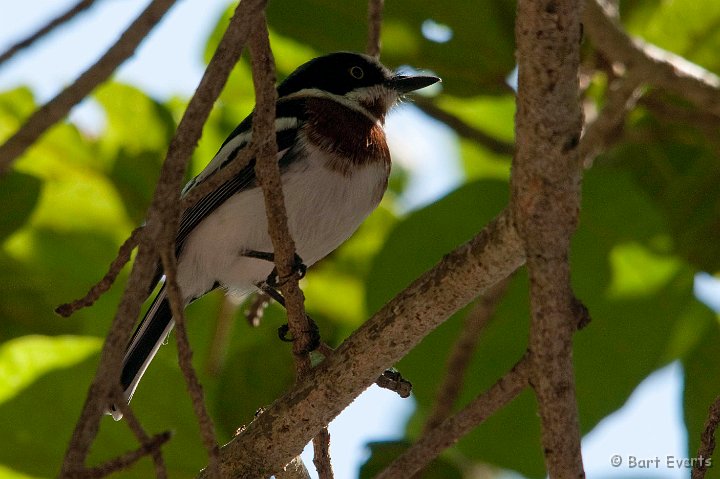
{"x":143,"y":346}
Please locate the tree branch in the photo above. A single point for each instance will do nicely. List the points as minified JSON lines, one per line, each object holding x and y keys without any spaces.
{"x":622,"y":96}
{"x":464,"y":129}
{"x":654,"y":65}
{"x":160,"y":216}
{"x":56,"y":109}
{"x":462,"y":353}
{"x":177,"y":305}
{"x":280,"y":433}
{"x":101,"y":287}
{"x":707,"y":441}
{"x":268,"y":173}
{"x":79,"y":7}
{"x":127,"y":459}
{"x":444,"y":435}
{"x":545,"y":186}
{"x":375,"y":10}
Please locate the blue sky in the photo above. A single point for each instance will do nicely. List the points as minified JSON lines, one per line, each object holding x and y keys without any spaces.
{"x":169,"y":62}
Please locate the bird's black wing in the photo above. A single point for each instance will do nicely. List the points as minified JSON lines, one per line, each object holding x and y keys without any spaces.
{"x":245,"y":179}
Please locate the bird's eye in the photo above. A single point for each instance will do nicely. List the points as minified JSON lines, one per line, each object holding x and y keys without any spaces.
{"x":357,"y":72}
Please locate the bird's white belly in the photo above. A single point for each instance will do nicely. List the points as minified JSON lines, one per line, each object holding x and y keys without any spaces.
{"x":324,"y":208}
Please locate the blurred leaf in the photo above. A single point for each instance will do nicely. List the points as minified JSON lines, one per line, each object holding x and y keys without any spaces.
{"x":44,"y":384}
{"x":623,"y":270}
{"x":23,"y":360}
{"x":383,"y":453}
{"x":421,"y":239}
{"x":258,"y":375}
{"x":135,"y":122}
{"x":19,"y":194}
{"x":686,"y":27}
{"x":679,"y":170}
{"x":476,"y":58}
{"x":15,"y":105}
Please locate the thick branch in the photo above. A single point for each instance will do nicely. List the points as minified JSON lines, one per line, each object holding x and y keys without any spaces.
{"x":545,"y":186}
{"x":56,"y":109}
{"x":161,"y":214}
{"x":658,"y":67}
{"x":281,"y":432}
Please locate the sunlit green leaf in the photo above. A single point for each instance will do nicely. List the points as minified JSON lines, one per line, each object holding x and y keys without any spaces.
{"x":686,"y":27}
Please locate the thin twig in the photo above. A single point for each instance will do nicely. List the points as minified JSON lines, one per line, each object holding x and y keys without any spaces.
{"x":375,"y":11}
{"x":164,"y":205}
{"x":57,"y":108}
{"x":140,"y":434}
{"x":464,"y":129}
{"x":177,"y":305}
{"x":45,"y":29}
{"x":545,"y":186}
{"x":707,"y":441}
{"x":436,"y":440}
{"x":622,"y":96}
{"x":126,"y":460}
{"x":274,"y":438}
{"x":268,"y":174}
{"x":462,"y":353}
{"x":321,"y":457}
{"x":99,"y":288}
{"x":658,"y":67}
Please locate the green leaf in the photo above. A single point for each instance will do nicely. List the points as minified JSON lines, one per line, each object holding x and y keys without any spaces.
{"x":686,"y":27}
{"x":421,"y":239}
{"x":678,"y":169}
{"x":624,"y":270}
{"x":19,"y":194}
{"x":44,"y":381}
{"x":476,"y":59}
{"x":24,"y":359}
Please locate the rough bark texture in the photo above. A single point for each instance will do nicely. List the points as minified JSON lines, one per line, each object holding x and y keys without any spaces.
{"x":281,"y":432}
{"x":545,"y":201}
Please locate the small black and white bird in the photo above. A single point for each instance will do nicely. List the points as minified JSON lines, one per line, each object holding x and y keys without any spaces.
{"x":334,"y":164}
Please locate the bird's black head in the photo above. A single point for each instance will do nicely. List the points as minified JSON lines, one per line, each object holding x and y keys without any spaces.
{"x":337,"y":73}
{"x":358,"y":78}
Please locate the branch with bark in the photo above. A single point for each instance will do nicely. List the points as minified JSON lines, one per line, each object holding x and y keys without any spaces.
{"x":545,"y":203}
{"x":161,"y":225}
{"x":57,"y":108}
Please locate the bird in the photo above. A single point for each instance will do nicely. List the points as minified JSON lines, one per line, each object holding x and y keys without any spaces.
{"x":334,"y":163}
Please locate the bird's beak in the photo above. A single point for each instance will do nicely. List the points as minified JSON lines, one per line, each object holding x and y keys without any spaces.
{"x":405,"y":83}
